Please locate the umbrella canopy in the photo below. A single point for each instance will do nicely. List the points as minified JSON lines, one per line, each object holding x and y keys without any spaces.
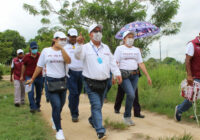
{"x":141,"y":29}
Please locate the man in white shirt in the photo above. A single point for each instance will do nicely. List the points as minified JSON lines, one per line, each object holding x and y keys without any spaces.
{"x":74,"y":81}
{"x":98,"y":61}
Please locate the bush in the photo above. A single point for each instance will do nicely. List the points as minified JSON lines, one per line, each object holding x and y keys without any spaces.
{"x":4,"y":70}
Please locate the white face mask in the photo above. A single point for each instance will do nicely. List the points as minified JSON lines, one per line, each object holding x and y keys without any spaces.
{"x":97,"y":36}
{"x":62,"y":43}
{"x":129,"y":41}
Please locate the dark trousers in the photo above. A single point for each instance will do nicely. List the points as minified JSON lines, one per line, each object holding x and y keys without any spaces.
{"x":120,"y":97}
{"x":74,"y":84}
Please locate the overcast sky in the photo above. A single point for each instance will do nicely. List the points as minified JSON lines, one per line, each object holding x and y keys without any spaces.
{"x":13,"y":16}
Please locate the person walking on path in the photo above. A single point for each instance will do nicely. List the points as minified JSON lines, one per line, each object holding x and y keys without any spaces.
{"x":55,"y":58}
{"x":98,"y":61}
{"x":136,"y":104}
{"x":74,"y":81}
{"x":192,"y":62}
{"x":29,"y":64}
{"x":16,"y":67}
{"x":128,"y":58}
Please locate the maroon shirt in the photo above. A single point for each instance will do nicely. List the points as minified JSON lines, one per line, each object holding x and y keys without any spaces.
{"x":31,"y":63}
{"x":195,"y":62}
{"x":17,"y":68}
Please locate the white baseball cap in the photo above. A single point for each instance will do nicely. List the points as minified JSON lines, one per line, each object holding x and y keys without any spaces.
{"x":94,"y":26}
{"x":20,"y":51}
{"x":127,"y":32}
{"x":72,"y":32}
{"x":59,"y":35}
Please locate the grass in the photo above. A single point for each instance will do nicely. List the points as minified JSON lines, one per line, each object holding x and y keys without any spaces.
{"x":164,"y":94}
{"x":184,"y":137}
{"x":19,"y":123}
{"x":114,"y":124}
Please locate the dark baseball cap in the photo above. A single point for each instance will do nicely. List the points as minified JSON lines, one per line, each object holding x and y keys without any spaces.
{"x":33,"y":45}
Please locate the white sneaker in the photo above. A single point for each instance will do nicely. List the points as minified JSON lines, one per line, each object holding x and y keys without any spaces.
{"x":128,"y":121}
{"x":53,"y":124}
{"x":60,"y":135}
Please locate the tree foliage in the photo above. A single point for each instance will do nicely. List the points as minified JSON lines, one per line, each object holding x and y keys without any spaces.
{"x":10,"y":41}
{"x":113,"y":15}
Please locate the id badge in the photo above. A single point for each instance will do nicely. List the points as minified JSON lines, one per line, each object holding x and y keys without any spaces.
{"x":100,"y":61}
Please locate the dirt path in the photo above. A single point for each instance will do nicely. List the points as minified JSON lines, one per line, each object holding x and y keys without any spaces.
{"x":153,"y":126}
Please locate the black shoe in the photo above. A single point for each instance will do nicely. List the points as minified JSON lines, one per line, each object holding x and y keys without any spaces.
{"x":117,"y":111}
{"x":38,"y":110}
{"x":17,"y":104}
{"x":139,"y":116}
{"x":75,"y":119}
{"x":32,"y":110}
{"x":101,"y":136}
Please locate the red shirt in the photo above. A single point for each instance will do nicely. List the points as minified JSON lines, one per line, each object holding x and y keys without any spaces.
{"x":195,"y":62}
{"x":17,"y":68}
{"x":31,"y":63}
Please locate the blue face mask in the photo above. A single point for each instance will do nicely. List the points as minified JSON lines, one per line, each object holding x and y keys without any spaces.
{"x":34,"y":51}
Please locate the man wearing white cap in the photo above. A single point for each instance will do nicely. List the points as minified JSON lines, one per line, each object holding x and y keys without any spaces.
{"x":98,"y":61}
{"x":74,"y":81}
{"x":19,"y":85}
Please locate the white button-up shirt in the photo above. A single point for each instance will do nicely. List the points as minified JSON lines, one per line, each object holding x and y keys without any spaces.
{"x":76,"y":65}
{"x":92,"y":69}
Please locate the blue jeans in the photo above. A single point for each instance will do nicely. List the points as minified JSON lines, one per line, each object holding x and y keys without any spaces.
{"x":186,"y":104}
{"x":96,"y":101}
{"x":35,"y":102}
{"x":129,"y":86}
{"x":109,"y":85}
{"x":74,"y":84}
{"x":57,"y":101}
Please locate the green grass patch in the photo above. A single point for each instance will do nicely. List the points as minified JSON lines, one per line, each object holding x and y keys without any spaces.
{"x":114,"y":124}
{"x":184,"y":137}
{"x":19,"y":123}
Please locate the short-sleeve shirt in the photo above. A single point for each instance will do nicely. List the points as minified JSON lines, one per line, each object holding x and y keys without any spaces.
{"x":128,"y":58}
{"x":190,"y":49}
{"x":30,"y":63}
{"x":75,"y":64}
{"x":55,"y":66}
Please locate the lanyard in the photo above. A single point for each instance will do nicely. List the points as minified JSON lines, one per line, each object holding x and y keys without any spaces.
{"x":95,"y":49}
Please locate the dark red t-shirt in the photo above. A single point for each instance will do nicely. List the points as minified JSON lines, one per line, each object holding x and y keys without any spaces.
{"x":30,"y":63}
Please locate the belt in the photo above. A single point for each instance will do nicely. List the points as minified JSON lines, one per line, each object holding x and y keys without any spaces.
{"x":134,"y":72}
{"x":88,"y":79}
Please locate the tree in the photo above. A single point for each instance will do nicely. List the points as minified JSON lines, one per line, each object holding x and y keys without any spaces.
{"x":170,"y":60}
{"x":113,"y":15}
{"x":10,"y":41}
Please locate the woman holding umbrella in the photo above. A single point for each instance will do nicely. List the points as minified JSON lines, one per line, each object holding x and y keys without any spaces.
{"x":129,"y":58}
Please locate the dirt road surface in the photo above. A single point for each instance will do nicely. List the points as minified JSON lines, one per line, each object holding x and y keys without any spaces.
{"x":153,"y":126}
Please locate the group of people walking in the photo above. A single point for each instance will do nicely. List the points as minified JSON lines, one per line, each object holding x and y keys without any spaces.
{"x":71,"y":64}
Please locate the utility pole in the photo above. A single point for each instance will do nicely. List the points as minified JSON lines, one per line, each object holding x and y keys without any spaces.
{"x":160,"y":50}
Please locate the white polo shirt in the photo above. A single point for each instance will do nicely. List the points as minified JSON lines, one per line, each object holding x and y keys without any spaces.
{"x":128,"y":58}
{"x":91,"y":67}
{"x":76,"y":65}
{"x":190,"y":49}
{"x":54,"y":62}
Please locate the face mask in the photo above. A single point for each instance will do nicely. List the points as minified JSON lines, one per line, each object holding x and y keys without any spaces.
{"x":62,"y":43}
{"x":129,"y":41}
{"x":34,"y":51}
{"x":97,"y":36}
